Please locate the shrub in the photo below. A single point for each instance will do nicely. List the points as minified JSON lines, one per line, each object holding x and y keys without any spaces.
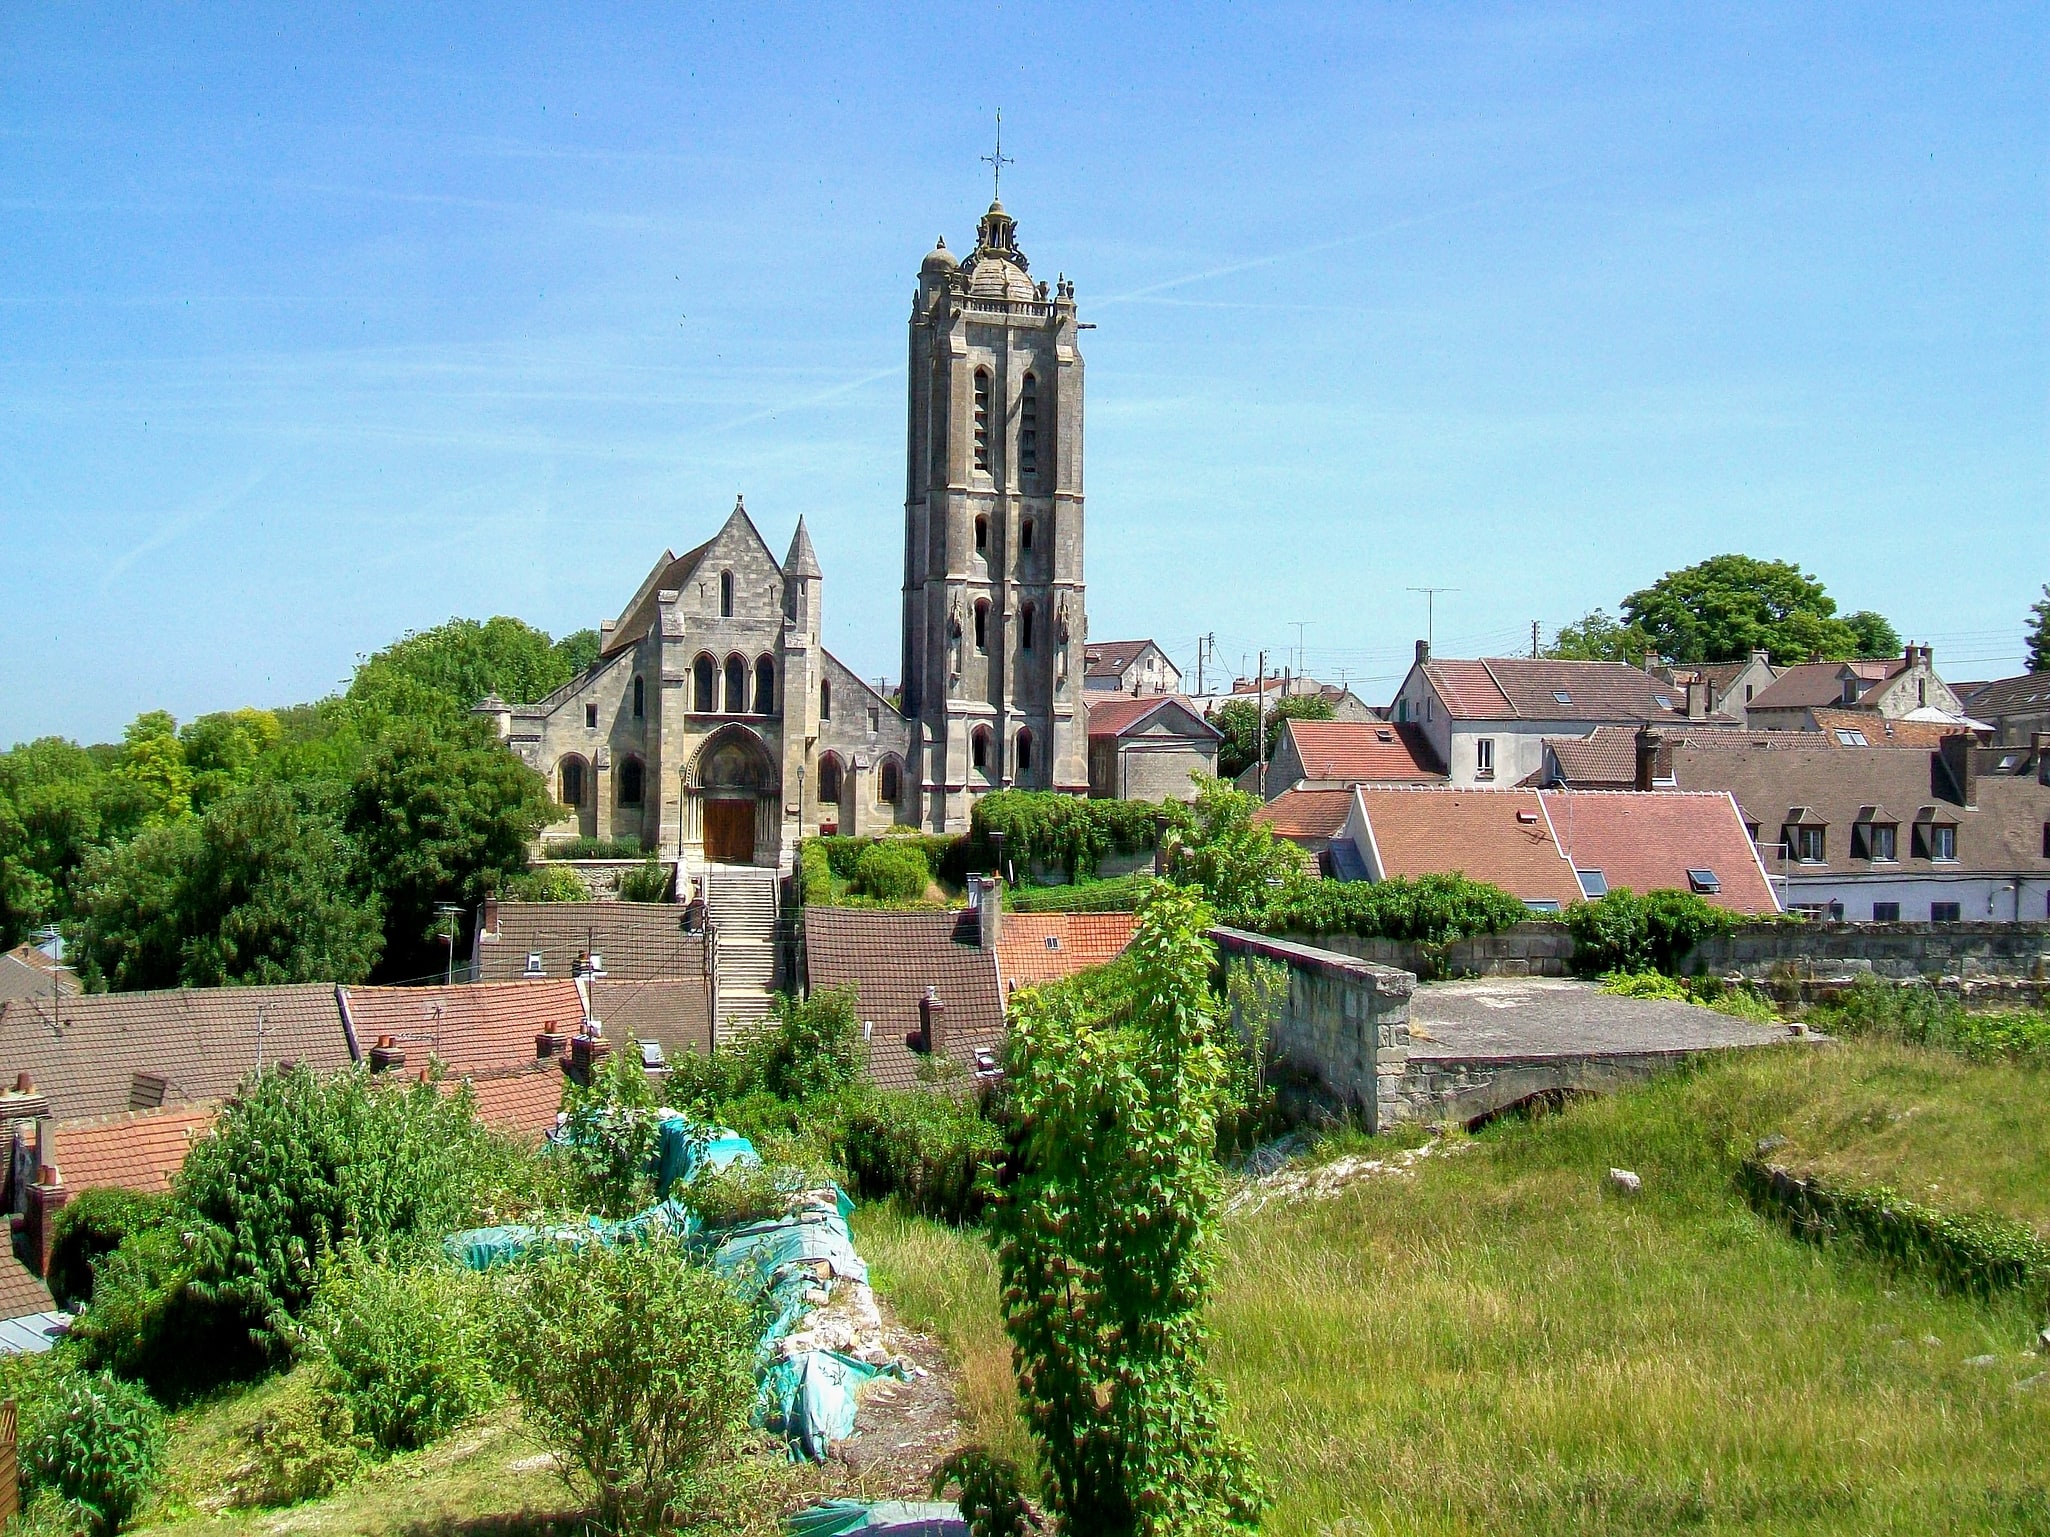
{"x":936,"y":1151}
{"x":153,"y":1322}
{"x":1920,"y":1015}
{"x":98,"y":1441}
{"x":1238,"y":864}
{"x":1049,"y":827}
{"x":593,"y":848}
{"x":807,"y":1048}
{"x":635,"y":1365}
{"x":305,"y":1444}
{"x":815,"y":871}
{"x":1120,"y":894}
{"x":89,"y":1228}
{"x":1423,"y":909}
{"x":608,"y":1144}
{"x":547,"y":883}
{"x":740,"y":1192}
{"x":409,"y":1347}
{"x":891,"y":872}
{"x":650,"y":883}
{"x":1626,"y":932}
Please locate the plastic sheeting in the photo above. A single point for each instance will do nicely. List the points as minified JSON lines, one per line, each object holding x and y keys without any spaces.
{"x":885,"y":1518}
{"x":486,"y":1248}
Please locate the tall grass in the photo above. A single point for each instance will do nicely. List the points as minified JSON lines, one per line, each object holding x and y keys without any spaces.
{"x":1919,"y":1015}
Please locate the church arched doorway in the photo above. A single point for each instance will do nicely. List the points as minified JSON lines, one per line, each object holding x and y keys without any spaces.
{"x":732,"y":797}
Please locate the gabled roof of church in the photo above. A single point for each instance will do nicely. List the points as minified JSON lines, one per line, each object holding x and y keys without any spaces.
{"x":672,"y":572}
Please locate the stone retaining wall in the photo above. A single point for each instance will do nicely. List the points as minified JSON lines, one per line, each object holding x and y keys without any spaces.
{"x":601,"y":877}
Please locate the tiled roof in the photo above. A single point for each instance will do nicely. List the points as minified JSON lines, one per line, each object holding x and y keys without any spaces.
{"x":2027,"y":695}
{"x":1807,"y":684}
{"x":1362,"y":751}
{"x":670,"y":574}
{"x":182,"y":1045}
{"x":1121,"y":713}
{"x":1306,"y":813}
{"x":126,"y":1152}
{"x":25,"y":972}
{"x":1109,"y":658}
{"x":890,"y":959}
{"x":1649,"y":841}
{"x":1605,"y":758}
{"x":677,"y":1013}
{"x":520,"y":1101}
{"x":1528,"y":688}
{"x":1430,"y":830}
{"x":471,"y":1025}
{"x":1045,"y":947}
{"x":1880,"y":731}
{"x":21,"y":1294}
{"x":638,"y":940}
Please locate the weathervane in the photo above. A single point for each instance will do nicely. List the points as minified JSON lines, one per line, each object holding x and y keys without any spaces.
{"x":998,"y":161}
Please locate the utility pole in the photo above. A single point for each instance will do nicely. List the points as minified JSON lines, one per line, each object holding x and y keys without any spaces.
{"x":1260,"y":729}
{"x":1431,"y":613}
{"x":449,"y":910}
{"x":1300,"y":626}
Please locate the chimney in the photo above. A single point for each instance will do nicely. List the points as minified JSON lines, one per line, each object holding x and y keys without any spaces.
{"x":2039,"y":744}
{"x":1423,"y":651}
{"x":550,"y":1042}
{"x":932,"y":1023}
{"x":489,"y":924}
{"x":1912,"y":654}
{"x":1962,"y":764}
{"x":1648,"y":744}
{"x":587,"y":1049}
{"x":386,"y":1055}
{"x":989,"y":906}
{"x":46,"y":1197}
{"x":1700,"y":697}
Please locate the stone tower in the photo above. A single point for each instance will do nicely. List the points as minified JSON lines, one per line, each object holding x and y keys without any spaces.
{"x":994,"y":621}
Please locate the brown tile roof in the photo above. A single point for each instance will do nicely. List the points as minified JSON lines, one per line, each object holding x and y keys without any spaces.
{"x":1649,"y":841}
{"x":126,"y":1152}
{"x":638,"y":940}
{"x":1429,"y":830}
{"x":1527,"y":688}
{"x":520,"y":1101}
{"x":678,"y":1013}
{"x":2028,"y":694}
{"x":1879,"y":731}
{"x":1119,"y":714}
{"x":25,"y":972}
{"x":1306,"y":813}
{"x":1362,"y":751}
{"x":1046,"y":947}
{"x":471,"y":1025}
{"x":110,"y":1048}
{"x":21,"y":1294}
{"x":890,"y":958}
{"x":1807,"y":684}
{"x":1606,"y":758}
{"x":1109,"y":658}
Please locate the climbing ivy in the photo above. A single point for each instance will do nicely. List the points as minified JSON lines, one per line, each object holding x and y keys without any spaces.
{"x":1103,"y":1238}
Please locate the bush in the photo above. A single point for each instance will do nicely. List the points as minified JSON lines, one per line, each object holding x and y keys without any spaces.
{"x":89,"y":1228}
{"x":635,"y":1365}
{"x":1049,"y":827}
{"x":98,"y":1441}
{"x":891,"y":872}
{"x":650,"y":883}
{"x":1423,"y":909}
{"x":1919,"y":1015}
{"x":1121,"y":894}
{"x":806,"y":1049}
{"x":305,"y":1444}
{"x":608,"y":1144}
{"x":409,"y":1347}
{"x":152,"y":1321}
{"x":936,"y":1151}
{"x":1626,"y":932}
{"x":547,"y":883}
{"x":1706,"y":992}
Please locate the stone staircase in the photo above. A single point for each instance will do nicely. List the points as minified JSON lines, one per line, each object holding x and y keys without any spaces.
{"x":741,"y":902}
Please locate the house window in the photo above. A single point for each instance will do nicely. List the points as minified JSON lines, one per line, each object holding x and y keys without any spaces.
{"x":1875,"y":840}
{"x":631,"y":776}
{"x":1935,"y":840}
{"x":1028,"y":429}
{"x":1703,"y":883}
{"x":726,"y":594}
{"x":704,"y":684}
{"x":1851,"y":738}
{"x":1025,"y":627}
{"x":982,"y":624}
{"x":590,"y":717}
{"x":1427,"y":709}
{"x":825,"y":700}
{"x":1593,"y":884}
{"x":1025,"y":532}
{"x":1562,"y":696}
{"x":829,"y":780}
{"x":640,"y":699}
{"x":875,"y":719}
{"x":765,"y":686}
{"x":1484,"y":757}
{"x":982,"y":536}
{"x":1850,"y":691}
{"x":2046,"y":840}
{"x":890,"y":783}
{"x":572,"y":778}
{"x":1886,"y":912}
{"x":534,"y":964}
{"x":982,"y":419}
{"x":1023,"y":754}
{"x":1944,"y":912}
{"x":1806,"y":844}
{"x":736,"y":685}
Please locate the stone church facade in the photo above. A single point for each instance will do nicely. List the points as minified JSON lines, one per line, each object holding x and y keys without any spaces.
{"x":716,"y":728}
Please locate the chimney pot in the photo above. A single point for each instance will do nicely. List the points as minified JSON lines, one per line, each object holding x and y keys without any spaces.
{"x":23,"y":1084}
{"x":491,"y":915}
{"x":1423,"y":651}
{"x":932,"y":1023}
{"x":989,"y":906}
{"x":386,"y":1055}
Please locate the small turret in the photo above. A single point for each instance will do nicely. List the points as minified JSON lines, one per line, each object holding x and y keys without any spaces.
{"x":801,"y":579}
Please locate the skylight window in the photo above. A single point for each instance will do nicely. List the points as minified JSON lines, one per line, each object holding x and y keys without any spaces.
{"x":1593,"y":883}
{"x":1663,"y":701}
{"x":1851,"y":738}
{"x":1053,"y":941}
{"x":1703,"y":883}
{"x":1562,"y":696}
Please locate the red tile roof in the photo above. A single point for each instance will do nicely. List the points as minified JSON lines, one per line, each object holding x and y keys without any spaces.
{"x":890,"y":959}
{"x":677,"y":1013}
{"x":21,"y":1294}
{"x":1477,"y":833}
{"x":1046,"y":947}
{"x":1317,"y":814}
{"x":471,"y":1025}
{"x":521,"y":1102}
{"x":1649,"y":841}
{"x":1121,"y":713}
{"x":126,"y":1152}
{"x":1879,"y":731}
{"x":1362,"y":751}
{"x":1527,"y":688}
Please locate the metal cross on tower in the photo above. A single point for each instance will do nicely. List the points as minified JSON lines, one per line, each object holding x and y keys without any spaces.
{"x":998,"y":161}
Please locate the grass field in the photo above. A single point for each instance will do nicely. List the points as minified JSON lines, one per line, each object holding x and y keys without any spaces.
{"x":1499,"y":1344}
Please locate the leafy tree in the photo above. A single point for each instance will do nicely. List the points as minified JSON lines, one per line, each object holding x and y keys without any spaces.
{"x":1595,"y":637}
{"x":222,"y":751}
{"x":2039,"y":633}
{"x":1230,"y":858}
{"x":1104,"y":1237}
{"x":252,"y":892}
{"x":440,"y":819}
{"x":1728,"y":606}
{"x":578,"y":650}
{"x":153,"y":761}
{"x":462,"y":661}
{"x":1238,"y":719}
{"x":1875,"y":632}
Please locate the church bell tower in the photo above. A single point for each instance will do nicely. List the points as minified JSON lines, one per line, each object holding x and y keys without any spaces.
{"x":994,"y":622}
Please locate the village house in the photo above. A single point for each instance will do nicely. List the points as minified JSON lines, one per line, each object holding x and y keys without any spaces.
{"x":1129,"y":667}
{"x":1706,"y":689}
{"x":1905,"y":687}
{"x":2014,"y":708}
{"x":1332,"y":754}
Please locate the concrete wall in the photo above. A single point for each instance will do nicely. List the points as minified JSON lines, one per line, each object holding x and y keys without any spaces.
{"x":1809,"y":952}
{"x":1343,"y":1032}
{"x":1527,"y":950}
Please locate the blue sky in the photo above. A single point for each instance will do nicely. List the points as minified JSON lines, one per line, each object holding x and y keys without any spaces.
{"x":315,"y":328}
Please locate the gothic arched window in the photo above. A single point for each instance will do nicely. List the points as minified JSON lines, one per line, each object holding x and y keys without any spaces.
{"x":981,"y":535}
{"x":979,"y":751}
{"x":1025,"y":533}
{"x":982,"y":624}
{"x":825,"y":700}
{"x":640,"y":699}
{"x":736,"y":686}
{"x":704,"y":680}
{"x":1021,"y":759}
{"x":829,"y":780}
{"x":890,"y":782}
{"x":982,"y":419}
{"x":631,"y":776}
{"x":726,"y":594}
{"x":1025,"y":617}
{"x":1028,"y":430}
{"x":572,"y":781}
{"x":765,"y":686}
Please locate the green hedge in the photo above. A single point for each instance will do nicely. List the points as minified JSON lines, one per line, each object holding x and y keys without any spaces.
{"x":830,"y":868}
{"x":935,"y":1151}
{"x":1975,"y":1254}
{"x":1423,"y":909}
{"x":593,"y":848}
{"x":1655,"y":932}
{"x":1119,"y":895}
{"x":1047,"y":827}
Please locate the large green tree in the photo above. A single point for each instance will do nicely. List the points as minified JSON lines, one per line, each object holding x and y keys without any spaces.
{"x":463,"y":660}
{"x":2039,"y":633}
{"x":1239,"y":720}
{"x":1728,"y":606}
{"x":1596,"y":637}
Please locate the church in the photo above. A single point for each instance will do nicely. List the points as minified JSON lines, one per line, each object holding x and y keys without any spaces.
{"x":717,"y":729}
